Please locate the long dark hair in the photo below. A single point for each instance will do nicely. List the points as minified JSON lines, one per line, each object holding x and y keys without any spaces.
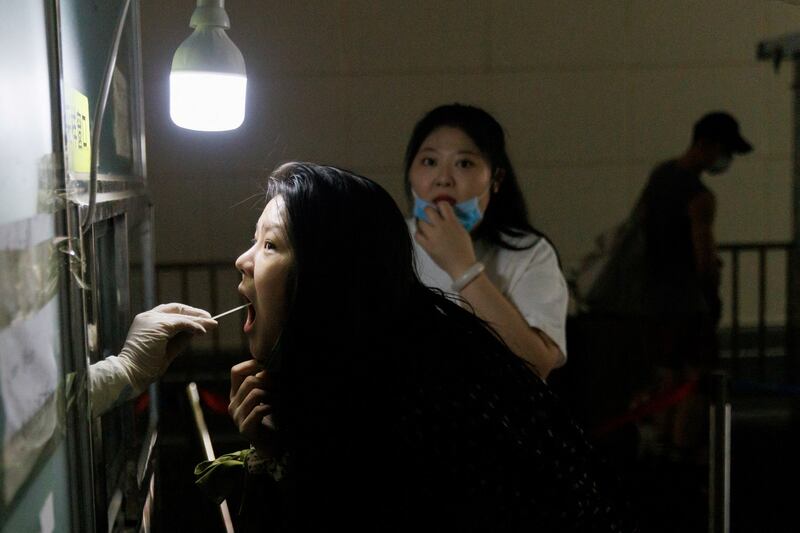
{"x":353,"y":259}
{"x":371,"y":364}
{"x":357,"y":313}
{"x":506,"y":214}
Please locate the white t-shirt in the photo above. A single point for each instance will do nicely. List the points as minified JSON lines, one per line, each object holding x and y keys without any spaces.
{"x":531,"y":279}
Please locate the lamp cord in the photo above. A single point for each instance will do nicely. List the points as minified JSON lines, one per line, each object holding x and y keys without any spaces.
{"x":97,"y":116}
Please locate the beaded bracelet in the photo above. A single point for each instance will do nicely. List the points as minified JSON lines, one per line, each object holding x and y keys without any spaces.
{"x":468,"y":277}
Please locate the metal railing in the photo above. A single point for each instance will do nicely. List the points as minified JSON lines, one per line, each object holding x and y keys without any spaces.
{"x":731,"y":253}
{"x":734,"y":252}
{"x":208,"y":290}
{"x":208,"y":450}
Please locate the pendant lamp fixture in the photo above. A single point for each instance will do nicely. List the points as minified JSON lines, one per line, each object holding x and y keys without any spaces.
{"x":208,"y":83}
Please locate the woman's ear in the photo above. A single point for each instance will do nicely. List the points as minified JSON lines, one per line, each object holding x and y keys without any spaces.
{"x":497,"y":179}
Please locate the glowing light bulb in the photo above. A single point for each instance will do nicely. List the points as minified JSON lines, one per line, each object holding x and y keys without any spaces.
{"x":208,"y":83}
{"x":207,"y":101}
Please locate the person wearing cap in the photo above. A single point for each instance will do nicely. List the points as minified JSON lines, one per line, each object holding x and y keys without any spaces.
{"x":682,"y":262}
{"x":682,"y":265}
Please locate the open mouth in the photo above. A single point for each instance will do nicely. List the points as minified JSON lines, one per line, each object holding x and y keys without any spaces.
{"x":444,"y":198}
{"x":251,"y":318}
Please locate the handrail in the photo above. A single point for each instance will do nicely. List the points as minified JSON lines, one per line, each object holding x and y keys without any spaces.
{"x":752,"y":245}
{"x":735,"y":250}
{"x":208,"y":449}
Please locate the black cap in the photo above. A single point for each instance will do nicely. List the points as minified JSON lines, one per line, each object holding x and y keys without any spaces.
{"x":722,"y":127}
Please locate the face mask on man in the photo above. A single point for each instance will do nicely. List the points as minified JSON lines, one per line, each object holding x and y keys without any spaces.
{"x":721,"y":164}
{"x":468,"y":212}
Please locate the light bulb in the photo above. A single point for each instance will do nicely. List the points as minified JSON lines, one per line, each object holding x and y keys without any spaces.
{"x":208,"y":83}
{"x":207,"y":101}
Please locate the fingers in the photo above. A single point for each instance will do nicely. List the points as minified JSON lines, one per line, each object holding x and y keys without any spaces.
{"x":180,"y":329}
{"x":241,"y":371}
{"x":178,"y":323}
{"x":446,"y":211}
{"x":421,"y":238}
{"x":180,"y":317}
{"x":249,"y":407}
{"x":254,"y":420}
{"x":433,"y":213}
{"x":436,"y":225}
{"x":253,"y":428}
{"x":182,"y":309}
{"x":439,"y":217}
{"x":255,"y":398}
{"x":207,"y":323}
{"x":426,"y":227}
{"x":250,"y":383}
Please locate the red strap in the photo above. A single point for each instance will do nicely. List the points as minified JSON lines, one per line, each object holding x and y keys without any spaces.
{"x":656,"y":404}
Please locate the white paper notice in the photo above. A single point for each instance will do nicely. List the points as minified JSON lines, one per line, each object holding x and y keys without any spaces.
{"x":28,"y":370}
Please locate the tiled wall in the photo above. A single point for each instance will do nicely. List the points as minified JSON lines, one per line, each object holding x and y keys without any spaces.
{"x":592,"y":93}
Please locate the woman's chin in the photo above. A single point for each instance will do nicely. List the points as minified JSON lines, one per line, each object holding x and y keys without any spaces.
{"x":253,"y":346}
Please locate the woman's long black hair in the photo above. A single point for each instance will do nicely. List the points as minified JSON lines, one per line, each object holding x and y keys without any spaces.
{"x":506,"y":216}
{"x":353,"y":264}
{"x":358,"y":316}
{"x":384,"y":392}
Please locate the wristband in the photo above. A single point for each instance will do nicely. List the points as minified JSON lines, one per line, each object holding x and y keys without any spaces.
{"x":468,"y":277}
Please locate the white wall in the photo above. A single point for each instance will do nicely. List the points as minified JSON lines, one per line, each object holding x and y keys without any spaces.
{"x":592,"y":93}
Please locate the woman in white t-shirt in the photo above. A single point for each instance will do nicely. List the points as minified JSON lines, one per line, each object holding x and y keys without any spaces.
{"x":472,"y":235}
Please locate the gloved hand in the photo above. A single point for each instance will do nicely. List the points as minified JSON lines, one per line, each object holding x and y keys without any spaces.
{"x":154,"y":339}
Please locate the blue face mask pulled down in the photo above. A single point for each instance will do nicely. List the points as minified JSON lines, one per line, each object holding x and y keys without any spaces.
{"x":468,"y":212}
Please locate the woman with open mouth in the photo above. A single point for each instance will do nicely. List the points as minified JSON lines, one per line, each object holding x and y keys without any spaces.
{"x":472,"y":235}
{"x":373,"y":403}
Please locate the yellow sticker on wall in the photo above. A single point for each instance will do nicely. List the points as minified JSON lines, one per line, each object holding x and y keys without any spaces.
{"x":78,"y":133}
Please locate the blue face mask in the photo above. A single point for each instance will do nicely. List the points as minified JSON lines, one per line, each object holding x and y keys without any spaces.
{"x":468,"y":212}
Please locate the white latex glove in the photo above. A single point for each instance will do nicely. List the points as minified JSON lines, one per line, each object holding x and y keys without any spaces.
{"x":154,"y":339}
